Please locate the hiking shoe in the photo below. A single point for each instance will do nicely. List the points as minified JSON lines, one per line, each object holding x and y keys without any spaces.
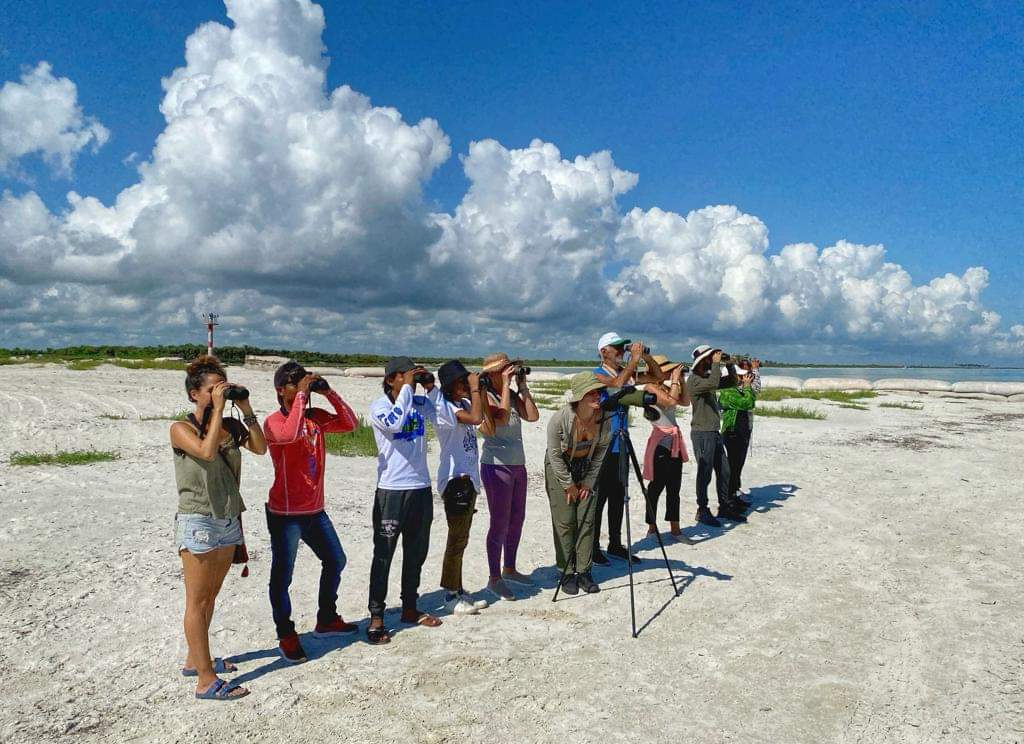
{"x":510,"y":574}
{"x":291,"y":650}
{"x":337,"y":627}
{"x":620,"y":552}
{"x":500,"y":590}
{"x":587,"y":583}
{"x":731,"y":513}
{"x":599,"y":558}
{"x":456,"y":605}
{"x":480,"y":604}
{"x":569,"y":584}
{"x":704,"y":516}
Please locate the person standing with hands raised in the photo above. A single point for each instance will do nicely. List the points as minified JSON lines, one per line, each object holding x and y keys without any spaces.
{"x":403,"y":503}
{"x":295,"y":507}
{"x":613,"y":374}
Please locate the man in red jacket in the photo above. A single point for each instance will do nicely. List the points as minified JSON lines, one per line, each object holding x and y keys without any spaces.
{"x":295,"y":508}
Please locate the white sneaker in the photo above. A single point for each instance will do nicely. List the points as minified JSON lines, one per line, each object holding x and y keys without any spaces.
{"x":459,"y":606}
{"x":480,"y":604}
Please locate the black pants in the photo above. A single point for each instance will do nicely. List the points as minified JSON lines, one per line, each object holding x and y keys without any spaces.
{"x":668,"y":477}
{"x":737,"y":444}
{"x":610,"y":491}
{"x":399,"y":513}
{"x":712,"y":459}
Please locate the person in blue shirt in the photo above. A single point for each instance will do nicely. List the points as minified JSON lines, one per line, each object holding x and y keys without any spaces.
{"x":616,"y":372}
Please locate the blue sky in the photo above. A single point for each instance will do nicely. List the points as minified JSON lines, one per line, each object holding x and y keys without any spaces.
{"x":899,"y":125}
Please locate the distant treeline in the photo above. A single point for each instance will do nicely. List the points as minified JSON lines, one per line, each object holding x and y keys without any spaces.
{"x":236,"y":355}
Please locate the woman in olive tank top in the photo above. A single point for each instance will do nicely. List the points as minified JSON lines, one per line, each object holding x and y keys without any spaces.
{"x":207,"y":469}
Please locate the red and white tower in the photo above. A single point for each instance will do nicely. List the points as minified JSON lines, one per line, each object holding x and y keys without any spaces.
{"x":211,"y":321}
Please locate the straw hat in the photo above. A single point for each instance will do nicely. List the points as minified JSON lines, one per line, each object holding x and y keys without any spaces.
{"x":497,"y":362}
{"x":665,"y":364}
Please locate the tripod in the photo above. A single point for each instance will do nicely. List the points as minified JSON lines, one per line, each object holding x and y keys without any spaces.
{"x":626,"y":455}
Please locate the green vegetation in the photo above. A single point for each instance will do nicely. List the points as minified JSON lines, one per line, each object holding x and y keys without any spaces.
{"x":179,"y":416}
{"x":64,"y":458}
{"x":854,"y":406}
{"x":903,"y":406}
{"x":790,"y":412}
{"x":549,"y":394}
{"x":83,"y":365}
{"x":777,"y":394}
{"x":358,"y":443}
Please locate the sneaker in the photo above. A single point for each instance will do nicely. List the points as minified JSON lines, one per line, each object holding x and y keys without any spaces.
{"x":569,"y":584}
{"x":704,"y":516}
{"x":480,"y":604}
{"x":291,"y":650}
{"x":741,"y":502}
{"x":731,"y":513}
{"x":599,"y":558}
{"x":587,"y":583}
{"x":679,"y":537}
{"x":510,"y":574}
{"x":337,"y":627}
{"x":500,"y":590}
{"x":620,"y":552}
{"x":454,"y":603}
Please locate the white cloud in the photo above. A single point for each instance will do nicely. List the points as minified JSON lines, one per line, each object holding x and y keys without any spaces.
{"x":296,"y":212}
{"x":41,"y":115}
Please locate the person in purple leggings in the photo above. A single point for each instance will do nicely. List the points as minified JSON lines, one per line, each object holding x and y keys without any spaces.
{"x":503,"y":469}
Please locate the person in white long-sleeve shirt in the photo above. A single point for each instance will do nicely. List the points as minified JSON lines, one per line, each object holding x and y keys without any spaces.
{"x":403,"y":503}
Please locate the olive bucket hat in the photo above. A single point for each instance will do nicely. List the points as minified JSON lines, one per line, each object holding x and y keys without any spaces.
{"x":581,"y":384}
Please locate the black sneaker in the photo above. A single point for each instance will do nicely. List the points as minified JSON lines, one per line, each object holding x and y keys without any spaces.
{"x":569,"y":584}
{"x":599,"y":558}
{"x":731,"y":513}
{"x":704,"y":516}
{"x":741,"y":502}
{"x":620,"y":552}
{"x":587,"y":584}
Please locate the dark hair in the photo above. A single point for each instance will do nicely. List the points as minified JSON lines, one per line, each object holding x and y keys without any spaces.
{"x":198,"y":369}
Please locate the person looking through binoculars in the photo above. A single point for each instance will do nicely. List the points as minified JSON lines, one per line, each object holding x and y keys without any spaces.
{"x":295,"y":505}
{"x":208,"y":524}
{"x":503,"y":467}
{"x":703,"y":384}
{"x":738,"y":422}
{"x":616,"y":372}
{"x":403,"y":504}
{"x":666,"y":449}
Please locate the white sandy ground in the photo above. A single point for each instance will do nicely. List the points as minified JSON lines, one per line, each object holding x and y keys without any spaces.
{"x":875,"y":595}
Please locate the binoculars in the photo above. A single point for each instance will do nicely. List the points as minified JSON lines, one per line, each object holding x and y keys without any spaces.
{"x":236,"y":392}
{"x":423,"y":378}
{"x":319,"y":385}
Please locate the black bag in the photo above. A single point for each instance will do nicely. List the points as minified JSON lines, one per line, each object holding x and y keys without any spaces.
{"x":459,"y":495}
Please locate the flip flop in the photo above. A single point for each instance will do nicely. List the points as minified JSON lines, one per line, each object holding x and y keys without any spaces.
{"x":378,"y":636}
{"x":425,"y":619}
{"x":219,"y":667}
{"x":221,"y":690}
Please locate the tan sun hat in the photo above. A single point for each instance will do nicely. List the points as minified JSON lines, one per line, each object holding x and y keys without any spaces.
{"x":582,"y":383}
{"x":666,"y":365}
{"x":497,"y":362}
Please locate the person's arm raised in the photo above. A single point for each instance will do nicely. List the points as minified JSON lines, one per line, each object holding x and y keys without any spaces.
{"x":390,"y":417}
{"x":525,"y":404}
{"x":475,"y":415}
{"x":185,"y":438}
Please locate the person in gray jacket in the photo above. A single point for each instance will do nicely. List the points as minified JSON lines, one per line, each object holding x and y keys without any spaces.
{"x":578,"y":439}
{"x":704,"y":382}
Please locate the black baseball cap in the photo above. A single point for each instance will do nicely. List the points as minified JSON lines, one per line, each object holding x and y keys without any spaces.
{"x":399,"y":365}
{"x":290,"y":371}
{"x":451,"y":371}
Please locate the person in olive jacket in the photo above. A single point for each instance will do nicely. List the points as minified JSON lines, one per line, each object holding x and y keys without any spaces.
{"x":703,"y":384}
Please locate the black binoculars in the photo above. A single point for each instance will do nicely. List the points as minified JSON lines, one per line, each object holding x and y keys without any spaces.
{"x":236,"y":392}
{"x":319,"y":385}
{"x":423,"y":378}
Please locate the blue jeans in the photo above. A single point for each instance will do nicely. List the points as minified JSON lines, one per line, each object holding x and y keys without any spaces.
{"x":317,"y":531}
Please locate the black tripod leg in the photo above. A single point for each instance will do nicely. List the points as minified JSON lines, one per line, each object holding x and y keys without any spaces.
{"x":624,"y":447}
{"x":647,"y":501}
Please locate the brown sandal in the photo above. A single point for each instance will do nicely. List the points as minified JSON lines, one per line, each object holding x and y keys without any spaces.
{"x":420,"y":618}
{"x":377,"y":636}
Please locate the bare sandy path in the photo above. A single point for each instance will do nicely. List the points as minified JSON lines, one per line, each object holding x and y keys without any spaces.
{"x":874,"y":596}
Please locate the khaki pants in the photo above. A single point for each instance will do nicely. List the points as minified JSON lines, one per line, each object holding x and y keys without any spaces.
{"x":458,"y":538}
{"x":572,"y":525}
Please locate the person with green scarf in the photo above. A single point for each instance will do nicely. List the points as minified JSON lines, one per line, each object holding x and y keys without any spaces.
{"x":737,"y":424}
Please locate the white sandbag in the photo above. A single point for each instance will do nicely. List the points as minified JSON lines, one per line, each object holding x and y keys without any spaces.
{"x":912,"y":385}
{"x":972,"y":396}
{"x":364,"y":372}
{"x":992,"y":388}
{"x":264,"y":362}
{"x":538,"y":375}
{"x":836,"y":383}
{"x":325,"y":371}
{"x":781,"y":381}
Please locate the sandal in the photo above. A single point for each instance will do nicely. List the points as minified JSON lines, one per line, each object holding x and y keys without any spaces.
{"x":221,"y":690}
{"x":378,"y":636}
{"x":420,"y":618}
{"x":219,"y":667}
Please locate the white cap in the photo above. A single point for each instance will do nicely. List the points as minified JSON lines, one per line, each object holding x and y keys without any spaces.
{"x":611,"y":339}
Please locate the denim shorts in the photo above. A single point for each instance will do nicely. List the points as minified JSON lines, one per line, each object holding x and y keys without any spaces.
{"x":199,"y":534}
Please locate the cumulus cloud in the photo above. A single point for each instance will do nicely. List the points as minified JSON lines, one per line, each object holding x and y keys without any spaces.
{"x":297,"y":213}
{"x":41,"y":115}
